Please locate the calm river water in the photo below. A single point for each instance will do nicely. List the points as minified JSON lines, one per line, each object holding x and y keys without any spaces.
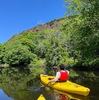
{"x":16,"y":84}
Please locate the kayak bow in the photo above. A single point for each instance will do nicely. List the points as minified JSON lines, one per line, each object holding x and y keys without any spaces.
{"x":41,"y":97}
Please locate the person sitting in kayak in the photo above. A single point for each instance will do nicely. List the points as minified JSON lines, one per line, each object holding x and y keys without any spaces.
{"x":61,"y":75}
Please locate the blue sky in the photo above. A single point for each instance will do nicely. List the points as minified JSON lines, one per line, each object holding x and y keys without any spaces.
{"x":19,"y":15}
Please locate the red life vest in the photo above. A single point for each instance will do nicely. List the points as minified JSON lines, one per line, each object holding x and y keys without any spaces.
{"x":63,"y":75}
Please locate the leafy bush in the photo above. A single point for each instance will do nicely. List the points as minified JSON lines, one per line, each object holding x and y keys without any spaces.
{"x":37,"y":63}
{"x":18,"y":55}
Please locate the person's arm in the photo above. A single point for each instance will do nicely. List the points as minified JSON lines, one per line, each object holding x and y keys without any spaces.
{"x":67,"y":72}
{"x":56,"y":77}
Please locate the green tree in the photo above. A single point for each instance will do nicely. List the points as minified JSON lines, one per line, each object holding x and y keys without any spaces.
{"x":18,"y":55}
{"x":2,"y":53}
{"x":85,"y":30}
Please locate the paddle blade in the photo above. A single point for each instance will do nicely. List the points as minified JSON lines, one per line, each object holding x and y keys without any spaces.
{"x":37,"y":89}
{"x":42,"y":89}
{"x":34,"y":88}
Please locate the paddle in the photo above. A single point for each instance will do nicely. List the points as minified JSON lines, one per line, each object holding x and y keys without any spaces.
{"x":42,"y":88}
{"x":37,"y":88}
{"x":33,"y":88}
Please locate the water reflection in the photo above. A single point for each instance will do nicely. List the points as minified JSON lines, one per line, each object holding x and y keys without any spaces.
{"x":3,"y":96}
{"x":15,"y":82}
{"x":52,"y":94}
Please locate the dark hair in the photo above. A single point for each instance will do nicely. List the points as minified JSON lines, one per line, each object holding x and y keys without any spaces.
{"x":61,"y":66}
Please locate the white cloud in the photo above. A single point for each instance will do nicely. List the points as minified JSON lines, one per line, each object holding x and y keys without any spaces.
{"x":40,"y":22}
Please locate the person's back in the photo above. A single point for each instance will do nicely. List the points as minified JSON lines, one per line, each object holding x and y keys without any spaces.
{"x":61,"y":75}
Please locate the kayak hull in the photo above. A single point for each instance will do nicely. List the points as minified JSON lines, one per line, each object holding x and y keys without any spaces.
{"x":41,"y":97}
{"x":67,"y":86}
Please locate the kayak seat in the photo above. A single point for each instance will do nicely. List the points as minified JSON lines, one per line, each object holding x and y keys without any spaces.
{"x":50,"y":78}
{"x":58,"y":80}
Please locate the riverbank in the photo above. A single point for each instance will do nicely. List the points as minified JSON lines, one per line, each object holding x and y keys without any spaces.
{"x":74,"y":71}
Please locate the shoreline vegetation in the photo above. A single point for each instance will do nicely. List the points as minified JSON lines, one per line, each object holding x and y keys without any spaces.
{"x":74,"y":73}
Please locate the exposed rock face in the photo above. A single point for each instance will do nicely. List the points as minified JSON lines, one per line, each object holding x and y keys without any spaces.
{"x":50,"y":25}
{"x":42,"y":27}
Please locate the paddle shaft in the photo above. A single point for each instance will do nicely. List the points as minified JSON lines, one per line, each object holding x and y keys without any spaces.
{"x":47,"y":84}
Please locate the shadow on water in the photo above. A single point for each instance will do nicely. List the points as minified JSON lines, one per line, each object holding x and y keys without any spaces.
{"x":20,"y":84}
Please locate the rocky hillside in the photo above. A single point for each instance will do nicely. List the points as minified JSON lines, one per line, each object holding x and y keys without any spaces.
{"x":49,"y":25}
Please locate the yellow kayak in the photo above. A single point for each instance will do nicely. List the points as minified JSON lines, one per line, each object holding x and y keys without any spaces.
{"x":41,"y":97}
{"x":67,"y":86}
